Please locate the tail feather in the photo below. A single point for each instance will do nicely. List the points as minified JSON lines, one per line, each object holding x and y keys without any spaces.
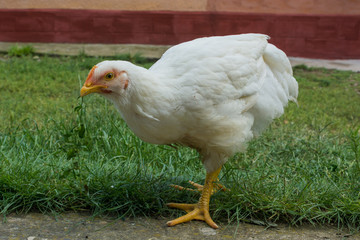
{"x":281,"y":68}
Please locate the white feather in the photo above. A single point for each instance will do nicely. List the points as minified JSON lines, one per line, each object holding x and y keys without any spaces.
{"x":213,"y":94}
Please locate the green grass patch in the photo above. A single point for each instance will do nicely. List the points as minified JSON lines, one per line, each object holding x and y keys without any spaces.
{"x":61,"y":153}
{"x":20,"y":51}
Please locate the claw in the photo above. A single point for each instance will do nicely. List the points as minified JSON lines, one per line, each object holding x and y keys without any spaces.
{"x":194,"y":212}
{"x":200,"y":210}
{"x":199,"y":187}
{"x":181,"y":188}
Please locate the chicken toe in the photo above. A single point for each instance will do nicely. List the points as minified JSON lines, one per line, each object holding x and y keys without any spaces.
{"x":200,"y":210}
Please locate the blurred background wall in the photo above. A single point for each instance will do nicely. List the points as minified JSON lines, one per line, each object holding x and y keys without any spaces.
{"x":302,"y":28}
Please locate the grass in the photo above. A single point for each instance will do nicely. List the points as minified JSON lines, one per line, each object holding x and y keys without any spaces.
{"x":19,"y":51}
{"x":62,"y":153}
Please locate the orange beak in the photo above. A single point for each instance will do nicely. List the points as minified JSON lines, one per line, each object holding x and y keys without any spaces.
{"x":89,"y":86}
{"x":87,"y":89}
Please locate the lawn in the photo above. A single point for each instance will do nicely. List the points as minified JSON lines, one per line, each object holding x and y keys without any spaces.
{"x":59,"y":152}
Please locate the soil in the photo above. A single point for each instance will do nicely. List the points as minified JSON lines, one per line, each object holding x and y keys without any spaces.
{"x":36,"y":226}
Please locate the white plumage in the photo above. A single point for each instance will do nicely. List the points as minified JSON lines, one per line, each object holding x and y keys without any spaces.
{"x":213,"y":94}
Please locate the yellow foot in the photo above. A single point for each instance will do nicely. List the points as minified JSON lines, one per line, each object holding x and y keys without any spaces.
{"x":194,"y":212}
{"x":199,"y":187}
{"x":199,"y":211}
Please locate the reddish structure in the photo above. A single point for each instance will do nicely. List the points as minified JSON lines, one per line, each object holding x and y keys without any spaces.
{"x":321,"y":36}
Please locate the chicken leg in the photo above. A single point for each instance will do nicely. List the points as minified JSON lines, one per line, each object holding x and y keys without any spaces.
{"x":200,"y":210}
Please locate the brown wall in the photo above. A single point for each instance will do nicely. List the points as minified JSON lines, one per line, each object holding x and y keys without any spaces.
{"x":344,"y":7}
{"x":303,"y":28}
{"x":332,"y":36}
{"x":125,"y":5}
{"x":287,"y":6}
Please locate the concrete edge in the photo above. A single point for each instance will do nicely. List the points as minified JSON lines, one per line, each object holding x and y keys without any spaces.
{"x":156,"y":51}
{"x":91,"y":49}
{"x":345,"y":65}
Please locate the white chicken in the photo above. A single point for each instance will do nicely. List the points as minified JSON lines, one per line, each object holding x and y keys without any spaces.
{"x":212,"y":94}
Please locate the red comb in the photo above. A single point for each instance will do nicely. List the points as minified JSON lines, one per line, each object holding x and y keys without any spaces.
{"x":91,"y":74}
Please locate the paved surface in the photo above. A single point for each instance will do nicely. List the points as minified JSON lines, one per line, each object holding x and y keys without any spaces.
{"x":72,"y":49}
{"x":36,"y":226}
{"x":155,"y":51}
{"x":348,"y":65}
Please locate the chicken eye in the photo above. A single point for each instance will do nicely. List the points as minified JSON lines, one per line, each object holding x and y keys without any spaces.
{"x":109,"y":76}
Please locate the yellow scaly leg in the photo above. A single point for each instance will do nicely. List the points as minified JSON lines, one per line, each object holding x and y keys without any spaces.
{"x":200,"y":210}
